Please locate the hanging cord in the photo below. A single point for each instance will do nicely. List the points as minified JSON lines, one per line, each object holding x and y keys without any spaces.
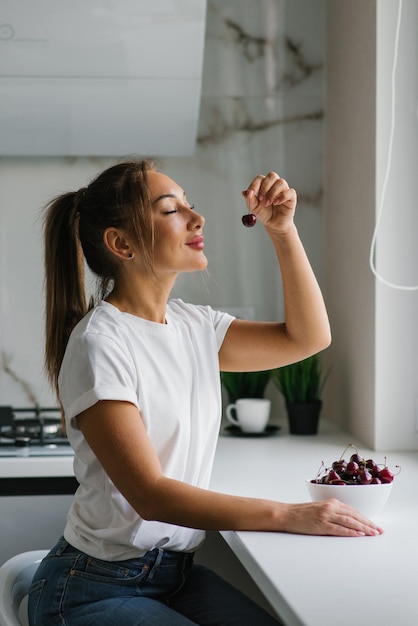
{"x":388,"y":166}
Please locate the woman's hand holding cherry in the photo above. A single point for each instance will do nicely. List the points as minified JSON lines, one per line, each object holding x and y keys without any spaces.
{"x":271,"y":201}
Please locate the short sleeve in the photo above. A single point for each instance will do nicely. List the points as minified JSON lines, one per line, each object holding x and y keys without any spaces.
{"x":95,"y":367}
{"x":221,"y":323}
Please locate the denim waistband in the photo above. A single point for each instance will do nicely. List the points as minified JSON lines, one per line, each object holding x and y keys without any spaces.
{"x":153,"y":557}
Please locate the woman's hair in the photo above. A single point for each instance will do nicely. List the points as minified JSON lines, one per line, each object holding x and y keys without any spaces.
{"x":73,"y":230}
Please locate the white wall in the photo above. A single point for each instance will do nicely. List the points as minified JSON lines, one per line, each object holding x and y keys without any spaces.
{"x":350,"y":202}
{"x":262,"y":108}
{"x":373,"y":385}
{"x":396,"y":384}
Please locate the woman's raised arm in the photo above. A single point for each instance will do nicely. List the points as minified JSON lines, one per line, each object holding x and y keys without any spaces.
{"x":305,"y":330}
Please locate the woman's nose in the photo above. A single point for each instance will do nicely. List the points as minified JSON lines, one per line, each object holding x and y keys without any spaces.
{"x":196,"y":221}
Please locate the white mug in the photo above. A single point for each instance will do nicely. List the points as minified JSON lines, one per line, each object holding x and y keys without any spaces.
{"x":252,"y":414}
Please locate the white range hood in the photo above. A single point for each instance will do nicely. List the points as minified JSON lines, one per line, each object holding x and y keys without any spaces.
{"x":100,"y":77}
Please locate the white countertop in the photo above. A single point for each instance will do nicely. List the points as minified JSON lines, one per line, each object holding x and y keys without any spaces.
{"x":36,"y":466}
{"x":310,"y":581}
{"x":324,"y":581}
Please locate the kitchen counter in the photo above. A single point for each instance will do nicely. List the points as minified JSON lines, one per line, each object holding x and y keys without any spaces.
{"x":309,"y":581}
{"x":323,"y":581}
{"x":36,"y":466}
{"x":37,"y":476}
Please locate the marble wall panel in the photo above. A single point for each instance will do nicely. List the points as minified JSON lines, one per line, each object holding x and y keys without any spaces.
{"x":262,"y":109}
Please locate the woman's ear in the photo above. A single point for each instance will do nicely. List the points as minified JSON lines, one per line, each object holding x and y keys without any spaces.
{"x":117,"y":243}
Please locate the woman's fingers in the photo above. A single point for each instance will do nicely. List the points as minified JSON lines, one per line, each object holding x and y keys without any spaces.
{"x":330,"y":517}
{"x":345,"y":519}
{"x":269,"y":190}
{"x":251,"y":194}
{"x":353,"y":523}
{"x":271,"y":187}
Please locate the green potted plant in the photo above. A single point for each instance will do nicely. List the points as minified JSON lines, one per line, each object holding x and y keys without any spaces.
{"x":245,"y":384}
{"x":301,"y":385}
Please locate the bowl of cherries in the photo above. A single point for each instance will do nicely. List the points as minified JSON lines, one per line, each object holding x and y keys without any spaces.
{"x":359,"y":482}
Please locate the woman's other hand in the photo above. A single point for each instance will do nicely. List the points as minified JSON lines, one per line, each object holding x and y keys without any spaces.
{"x":328,"y":517}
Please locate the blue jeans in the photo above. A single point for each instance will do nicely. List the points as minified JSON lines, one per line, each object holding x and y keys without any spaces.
{"x":162,"y":588}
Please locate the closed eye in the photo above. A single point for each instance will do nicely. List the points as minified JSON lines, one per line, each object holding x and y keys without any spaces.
{"x":191,"y":206}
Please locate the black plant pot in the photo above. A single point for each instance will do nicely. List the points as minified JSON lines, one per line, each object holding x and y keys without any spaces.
{"x":304,"y":417}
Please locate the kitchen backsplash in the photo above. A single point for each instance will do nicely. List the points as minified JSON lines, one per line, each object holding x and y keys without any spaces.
{"x":262,"y":109}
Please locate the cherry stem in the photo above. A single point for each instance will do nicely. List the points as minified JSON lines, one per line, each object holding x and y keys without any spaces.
{"x":350,"y":445}
{"x":322,"y":468}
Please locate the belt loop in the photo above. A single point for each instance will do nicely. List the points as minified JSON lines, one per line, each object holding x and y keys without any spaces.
{"x":157,"y":562}
{"x":60,"y":547}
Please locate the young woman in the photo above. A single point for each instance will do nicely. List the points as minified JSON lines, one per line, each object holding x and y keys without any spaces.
{"x":138,"y":379}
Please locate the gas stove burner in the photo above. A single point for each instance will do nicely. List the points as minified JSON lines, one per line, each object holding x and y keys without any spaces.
{"x":32,"y":425}
{"x":33,"y":428}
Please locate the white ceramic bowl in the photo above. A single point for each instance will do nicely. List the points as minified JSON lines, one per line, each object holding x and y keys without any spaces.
{"x":369,"y":499}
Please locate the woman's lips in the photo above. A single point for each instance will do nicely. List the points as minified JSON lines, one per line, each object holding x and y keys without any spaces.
{"x":196,"y":243}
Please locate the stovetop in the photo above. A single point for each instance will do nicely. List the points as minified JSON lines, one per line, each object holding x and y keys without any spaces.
{"x":32,"y":431}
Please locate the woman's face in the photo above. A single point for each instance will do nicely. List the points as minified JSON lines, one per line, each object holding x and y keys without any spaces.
{"x":178,"y":229}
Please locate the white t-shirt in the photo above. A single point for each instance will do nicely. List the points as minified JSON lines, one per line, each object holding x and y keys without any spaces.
{"x":171,"y":373}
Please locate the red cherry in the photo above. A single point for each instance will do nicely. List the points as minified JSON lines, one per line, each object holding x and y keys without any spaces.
{"x":372,"y":466}
{"x":385,"y":475}
{"x":339,"y":466}
{"x":249,"y":220}
{"x":364,"y":477}
{"x":332,"y":477}
{"x":356,"y":458}
{"x":352,"y":468}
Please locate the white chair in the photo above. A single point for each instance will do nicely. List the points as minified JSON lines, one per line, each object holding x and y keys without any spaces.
{"x":15,"y":578}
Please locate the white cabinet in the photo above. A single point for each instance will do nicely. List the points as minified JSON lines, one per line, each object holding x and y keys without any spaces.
{"x":31,"y":523}
{"x":100,"y":77}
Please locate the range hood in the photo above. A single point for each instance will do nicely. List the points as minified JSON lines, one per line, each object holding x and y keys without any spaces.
{"x":100,"y":77}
